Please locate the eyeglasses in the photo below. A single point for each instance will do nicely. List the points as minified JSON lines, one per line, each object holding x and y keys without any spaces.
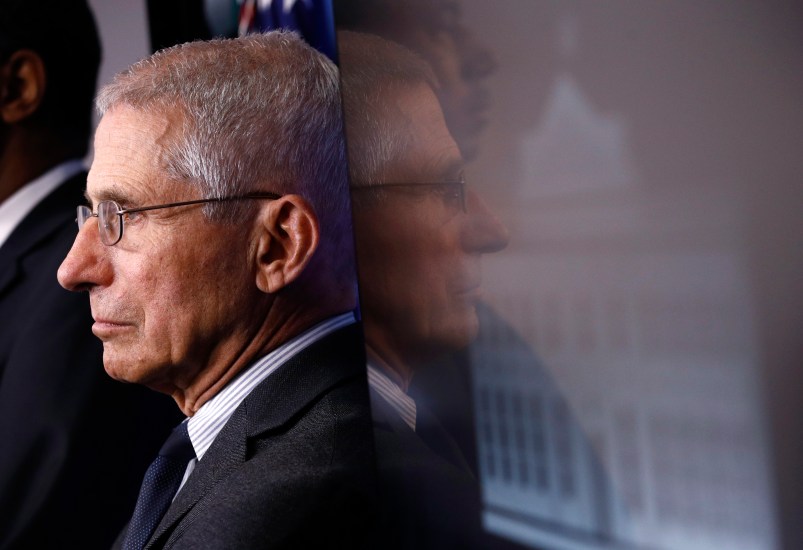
{"x":451,"y":192}
{"x":110,"y":215}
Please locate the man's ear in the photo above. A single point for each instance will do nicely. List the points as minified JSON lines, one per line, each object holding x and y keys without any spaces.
{"x":22,"y":86}
{"x":288,"y":235}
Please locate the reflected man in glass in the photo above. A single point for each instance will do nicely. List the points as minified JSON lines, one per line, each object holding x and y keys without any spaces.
{"x":420,"y":235}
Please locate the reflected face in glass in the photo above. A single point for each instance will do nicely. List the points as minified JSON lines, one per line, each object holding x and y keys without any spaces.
{"x":170,"y":297}
{"x":418,"y":251}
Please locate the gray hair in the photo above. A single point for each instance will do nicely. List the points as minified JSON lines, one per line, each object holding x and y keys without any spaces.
{"x":260,"y":113}
{"x":373,"y":70}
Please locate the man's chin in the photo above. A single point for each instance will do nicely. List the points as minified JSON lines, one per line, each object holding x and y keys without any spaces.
{"x":468,"y":334}
{"x":469,"y":325}
{"x":118,"y":372}
{"x":456,"y":335}
{"x":124,"y":370}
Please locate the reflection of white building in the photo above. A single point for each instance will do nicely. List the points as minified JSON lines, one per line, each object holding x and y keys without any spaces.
{"x":538,"y":469}
{"x":662,"y":388}
{"x":644,"y":427}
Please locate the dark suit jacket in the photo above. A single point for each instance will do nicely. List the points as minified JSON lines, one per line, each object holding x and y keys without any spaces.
{"x":73,"y":442}
{"x":430,"y":499}
{"x":292,"y":468}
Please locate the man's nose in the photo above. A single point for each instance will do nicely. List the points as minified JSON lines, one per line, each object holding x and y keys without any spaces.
{"x":482,"y":232}
{"x":85,"y":265}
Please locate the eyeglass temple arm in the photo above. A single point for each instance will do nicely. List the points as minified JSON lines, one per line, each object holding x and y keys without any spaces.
{"x":267,"y":196}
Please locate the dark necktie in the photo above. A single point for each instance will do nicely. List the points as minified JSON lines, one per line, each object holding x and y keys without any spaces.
{"x":161,"y":482}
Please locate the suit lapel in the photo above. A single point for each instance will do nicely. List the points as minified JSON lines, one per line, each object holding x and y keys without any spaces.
{"x":305,"y":377}
{"x":224,"y":456}
{"x":273,"y":403}
{"x":49,"y":216}
{"x":429,"y":436}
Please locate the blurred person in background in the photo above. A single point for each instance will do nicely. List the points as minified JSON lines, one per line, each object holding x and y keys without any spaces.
{"x":75,"y":444}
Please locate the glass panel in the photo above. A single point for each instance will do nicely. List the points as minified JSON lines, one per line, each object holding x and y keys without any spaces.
{"x":632,"y":375}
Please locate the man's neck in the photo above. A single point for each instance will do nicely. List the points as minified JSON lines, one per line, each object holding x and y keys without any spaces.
{"x":280,"y":325}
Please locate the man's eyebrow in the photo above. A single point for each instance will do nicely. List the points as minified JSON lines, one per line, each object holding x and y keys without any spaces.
{"x":453,"y":170}
{"x":443,"y":169}
{"x":112,"y":194}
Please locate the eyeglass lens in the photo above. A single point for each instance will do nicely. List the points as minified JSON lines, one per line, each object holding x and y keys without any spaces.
{"x":109,"y":222}
{"x":84,"y":213}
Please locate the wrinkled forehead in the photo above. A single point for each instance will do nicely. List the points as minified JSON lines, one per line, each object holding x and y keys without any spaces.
{"x":130,"y":156}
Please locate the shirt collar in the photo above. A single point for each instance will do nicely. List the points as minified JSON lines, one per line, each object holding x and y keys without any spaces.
{"x":205,"y":425}
{"x":393,"y":394}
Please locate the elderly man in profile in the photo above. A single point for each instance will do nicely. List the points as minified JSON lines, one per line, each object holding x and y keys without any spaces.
{"x":420,"y":236}
{"x":216,"y":252}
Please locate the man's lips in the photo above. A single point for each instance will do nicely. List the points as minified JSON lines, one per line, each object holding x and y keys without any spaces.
{"x":105,"y":328}
{"x":470,"y":291}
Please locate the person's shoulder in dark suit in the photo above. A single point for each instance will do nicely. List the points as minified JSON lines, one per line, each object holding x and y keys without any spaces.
{"x":429,"y":498}
{"x":294,"y":465}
